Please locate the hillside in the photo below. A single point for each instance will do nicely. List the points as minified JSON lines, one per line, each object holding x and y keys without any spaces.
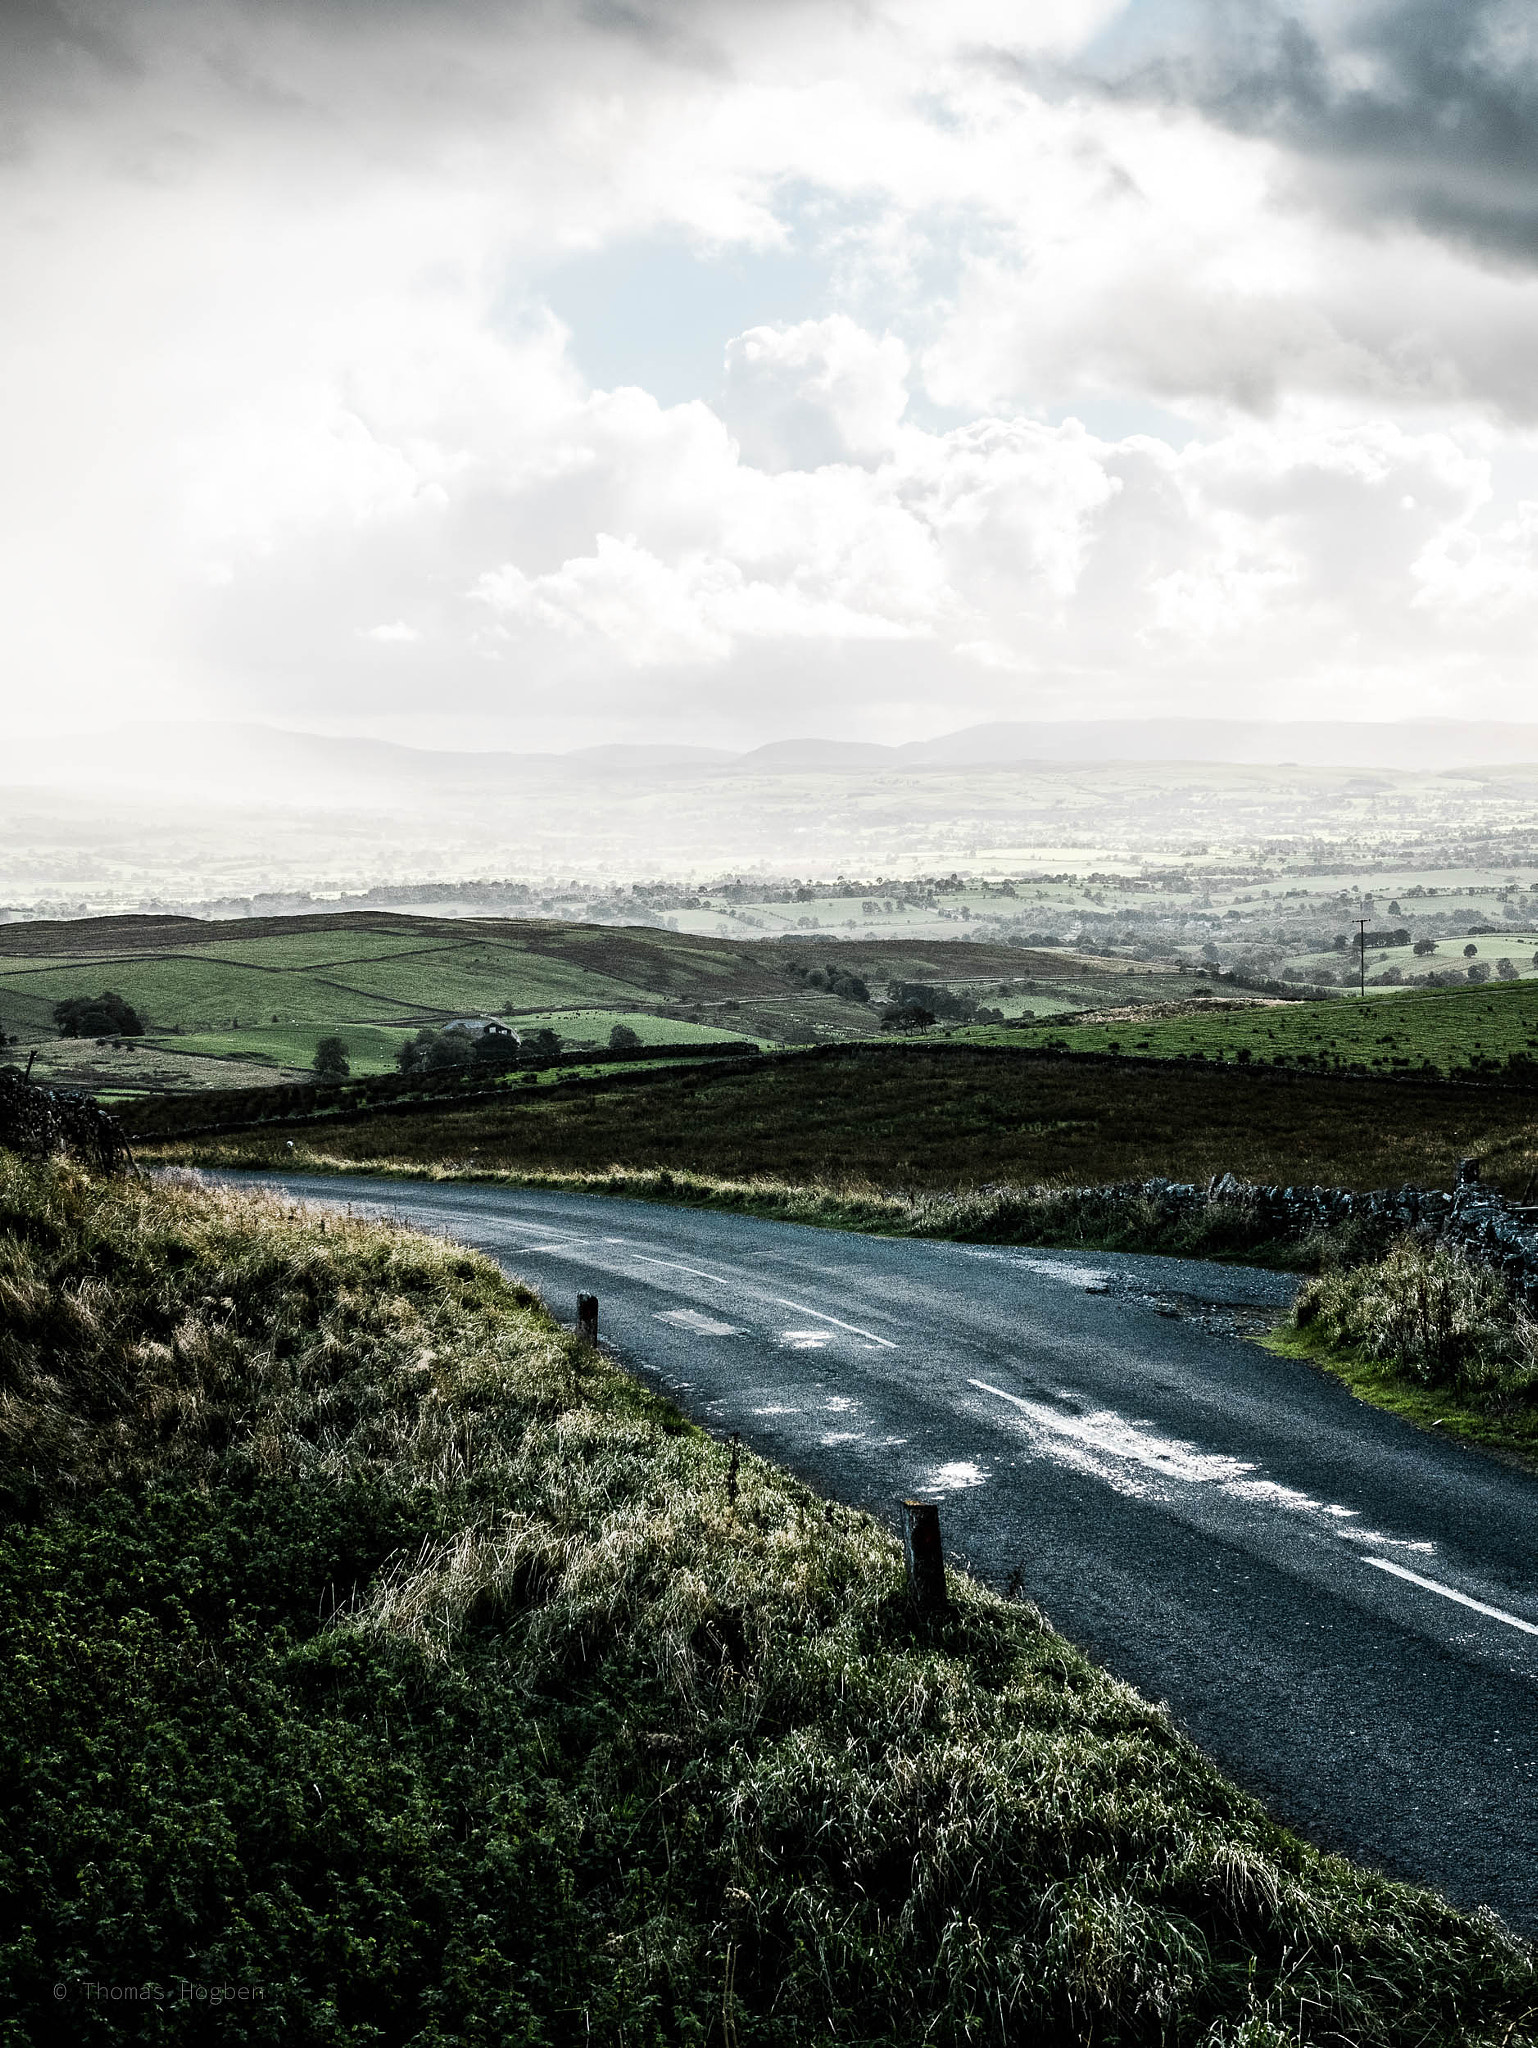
{"x":379,"y":1661}
{"x":263,"y":991}
{"x":944,"y":1115}
{"x":1449,"y":1031}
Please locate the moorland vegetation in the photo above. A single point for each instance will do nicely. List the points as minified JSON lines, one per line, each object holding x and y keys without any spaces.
{"x":946,"y":1118}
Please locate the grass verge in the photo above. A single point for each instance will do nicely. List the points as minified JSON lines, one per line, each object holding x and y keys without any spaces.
{"x":1432,"y":1336}
{"x":370,"y":1642}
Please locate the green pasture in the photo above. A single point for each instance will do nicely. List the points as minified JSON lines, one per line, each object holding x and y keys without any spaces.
{"x":475,"y":980}
{"x":592,"y":1027}
{"x":324,"y":947}
{"x":1517,"y":947}
{"x":371,"y":1048}
{"x":190,"y":991}
{"x":1450,"y":1030}
{"x":228,"y":989}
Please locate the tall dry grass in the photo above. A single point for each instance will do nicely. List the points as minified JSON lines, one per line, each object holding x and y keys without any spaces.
{"x":1430,"y":1314}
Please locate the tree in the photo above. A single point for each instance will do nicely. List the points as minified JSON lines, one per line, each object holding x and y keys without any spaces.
{"x":431,"y":1051}
{"x":1423,"y":948}
{"x":908,"y":1017}
{"x":103,"y":1016}
{"x":1506,"y":969}
{"x":1469,"y":951}
{"x":544,"y":1043}
{"x":623,"y":1039}
{"x":331,"y":1062}
{"x":1479,"y":971}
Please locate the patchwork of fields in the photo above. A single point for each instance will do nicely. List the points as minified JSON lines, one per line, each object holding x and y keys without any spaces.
{"x":264,"y":991}
{"x":258,"y":995}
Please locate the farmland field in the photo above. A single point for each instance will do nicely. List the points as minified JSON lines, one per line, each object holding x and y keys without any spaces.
{"x":1448,"y":1031}
{"x":264,"y":991}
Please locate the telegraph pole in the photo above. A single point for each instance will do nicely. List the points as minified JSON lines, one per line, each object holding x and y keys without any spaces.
{"x":1361,"y":954}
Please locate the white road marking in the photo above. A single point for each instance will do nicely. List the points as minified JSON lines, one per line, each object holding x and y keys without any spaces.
{"x":799,"y":1307}
{"x":959,"y":1473}
{"x":1078,"y":1438}
{"x":691,"y":1319}
{"x":1451,"y":1593}
{"x":1107,"y":1431}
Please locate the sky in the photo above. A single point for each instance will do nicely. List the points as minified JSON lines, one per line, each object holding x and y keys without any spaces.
{"x":537,"y":375}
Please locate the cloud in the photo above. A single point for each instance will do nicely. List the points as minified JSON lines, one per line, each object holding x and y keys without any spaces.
{"x":643,"y":612}
{"x":1413,"y":111}
{"x":822,"y":391}
{"x":278,"y":360}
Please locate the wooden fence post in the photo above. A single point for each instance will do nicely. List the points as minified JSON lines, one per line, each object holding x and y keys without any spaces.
{"x":926,"y":1559}
{"x":587,"y":1317}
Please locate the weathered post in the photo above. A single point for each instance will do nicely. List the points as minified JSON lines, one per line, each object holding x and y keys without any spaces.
{"x":587,"y":1317}
{"x":731,"y":1477}
{"x":926,"y":1559}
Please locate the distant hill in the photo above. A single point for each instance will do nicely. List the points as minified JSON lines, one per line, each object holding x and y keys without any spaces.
{"x":267,"y":765}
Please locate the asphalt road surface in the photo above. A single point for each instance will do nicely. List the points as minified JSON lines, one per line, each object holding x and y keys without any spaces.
{"x":1340,"y":1609}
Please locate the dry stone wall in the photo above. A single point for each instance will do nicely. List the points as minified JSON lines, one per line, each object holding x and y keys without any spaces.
{"x":1477,"y":1219}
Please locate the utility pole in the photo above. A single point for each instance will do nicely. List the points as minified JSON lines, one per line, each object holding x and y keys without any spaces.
{"x":1361,"y":954}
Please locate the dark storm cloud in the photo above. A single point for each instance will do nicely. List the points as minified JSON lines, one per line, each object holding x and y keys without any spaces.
{"x":389,"y":74}
{"x":1423,"y":111}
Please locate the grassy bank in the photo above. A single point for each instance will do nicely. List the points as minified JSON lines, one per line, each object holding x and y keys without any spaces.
{"x":935,"y":1117}
{"x":1431,"y":1335}
{"x":371,"y":1643}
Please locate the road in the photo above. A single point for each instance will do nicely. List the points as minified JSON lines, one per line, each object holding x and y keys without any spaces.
{"x":1340,"y":1609}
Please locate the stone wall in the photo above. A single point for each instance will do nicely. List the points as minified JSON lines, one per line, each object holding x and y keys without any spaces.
{"x":1473,"y":1217}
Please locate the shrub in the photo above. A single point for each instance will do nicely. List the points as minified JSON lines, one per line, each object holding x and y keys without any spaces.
{"x":35,"y":1122}
{"x":623,"y":1039}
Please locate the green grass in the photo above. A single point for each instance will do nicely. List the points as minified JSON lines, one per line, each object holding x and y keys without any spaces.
{"x":1509,"y":1429}
{"x":369,"y":1641}
{"x":333,"y":972}
{"x":371,"y":1048}
{"x":1450,"y":1031}
{"x":594,"y":1025}
{"x":890,"y":1118}
{"x":196,"y":991}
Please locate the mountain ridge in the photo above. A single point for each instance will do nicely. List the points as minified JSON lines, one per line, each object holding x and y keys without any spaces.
{"x":277,"y":765}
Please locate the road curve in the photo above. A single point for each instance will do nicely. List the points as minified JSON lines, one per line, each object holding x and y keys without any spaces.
{"x":1340,"y":1609}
